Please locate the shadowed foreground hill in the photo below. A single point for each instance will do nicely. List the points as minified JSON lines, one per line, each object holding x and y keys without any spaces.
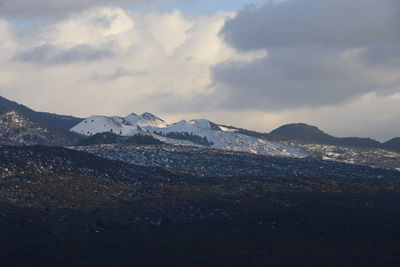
{"x":68,"y":208}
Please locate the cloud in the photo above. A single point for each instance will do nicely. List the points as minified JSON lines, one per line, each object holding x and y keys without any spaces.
{"x":7,"y":42}
{"x":47,"y":54}
{"x":112,"y":61}
{"x":319,"y":53}
{"x":29,"y":8}
{"x":117,"y":74}
{"x":328,"y":23}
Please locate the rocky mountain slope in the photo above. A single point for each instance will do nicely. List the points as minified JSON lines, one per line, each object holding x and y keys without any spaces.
{"x":215,"y":162}
{"x":54,"y":121}
{"x":18,"y":129}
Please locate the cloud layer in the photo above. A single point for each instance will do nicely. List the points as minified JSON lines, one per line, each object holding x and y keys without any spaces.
{"x":109,"y":60}
{"x":319,"y":53}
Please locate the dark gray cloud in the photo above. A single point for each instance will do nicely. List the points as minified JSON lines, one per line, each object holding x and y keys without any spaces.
{"x":345,"y":23}
{"x":319,"y":53}
{"x":50,"y":55}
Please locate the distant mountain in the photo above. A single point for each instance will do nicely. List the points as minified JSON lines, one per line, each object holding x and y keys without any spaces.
{"x":301,"y":131}
{"x":311,"y":134}
{"x":17,"y":128}
{"x":144,"y":120}
{"x":393,"y":144}
{"x":69,"y":130}
{"x":58,"y":122}
{"x":225,"y":139}
{"x":198,"y":132}
{"x":125,"y":126}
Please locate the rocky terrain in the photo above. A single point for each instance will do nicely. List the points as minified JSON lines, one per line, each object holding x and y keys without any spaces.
{"x":57,"y":122}
{"x":18,"y":129}
{"x":213,"y":162}
{"x":60,"y":207}
{"x":374,"y":157}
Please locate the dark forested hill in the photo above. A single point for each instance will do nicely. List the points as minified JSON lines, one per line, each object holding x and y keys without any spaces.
{"x":393,"y":144}
{"x":19,"y":129}
{"x":308,"y":133}
{"x":59,"y":122}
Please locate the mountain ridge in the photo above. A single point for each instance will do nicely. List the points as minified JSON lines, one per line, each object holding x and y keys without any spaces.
{"x":134,"y":124}
{"x":393,"y":144}
{"x":18,"y":129}
{"x":195,"y":132}
{"x":59,"y":122}
{"x":309,"y":133}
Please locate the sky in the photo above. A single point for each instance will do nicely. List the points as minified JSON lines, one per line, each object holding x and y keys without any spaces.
{"x":255,"y":64}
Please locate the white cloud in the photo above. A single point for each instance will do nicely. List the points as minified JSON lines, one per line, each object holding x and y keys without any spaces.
{"x":7,"y":44}
{"x":108,"y":60}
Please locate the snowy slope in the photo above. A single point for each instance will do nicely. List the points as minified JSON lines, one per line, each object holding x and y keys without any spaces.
{"x":146,"y":119}
{"x":229,"y":140}
{"x":101,"y":124}
{"x":125,"y":126}
{"x":150,"y":124}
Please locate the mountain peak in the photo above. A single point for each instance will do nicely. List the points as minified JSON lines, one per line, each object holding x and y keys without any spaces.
{"x":17,"y":128}
{"x":301,"y":131}
{"x":312,"y":134}
{"x":149,"y":116}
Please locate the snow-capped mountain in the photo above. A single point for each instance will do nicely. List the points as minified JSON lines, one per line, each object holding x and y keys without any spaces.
{"x":227,"y":140}
{"x":144,"y":120}
{"x":101,"y":124}
{"x":125,"y":126}
{"x":193,"y":132}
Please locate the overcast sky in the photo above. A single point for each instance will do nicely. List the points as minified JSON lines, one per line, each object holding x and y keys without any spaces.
{"x":254,"y":64}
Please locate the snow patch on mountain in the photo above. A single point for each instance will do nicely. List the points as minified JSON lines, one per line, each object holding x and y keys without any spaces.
{"x":226,"y":129}
{"x":125,"y":126}
{"x":144,"y":120}
{"x":152,"y":125}
{"x":229,"y":140}
{"x":102,"y":124}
